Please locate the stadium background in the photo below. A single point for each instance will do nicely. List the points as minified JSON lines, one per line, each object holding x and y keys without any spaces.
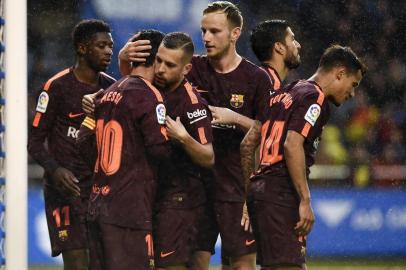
{"x":358,"y":186}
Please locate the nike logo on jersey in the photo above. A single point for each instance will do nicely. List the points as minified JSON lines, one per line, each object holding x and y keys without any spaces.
{"x":163,"y":255}
{"x":74,"y":115}
{"x":249,"y":242}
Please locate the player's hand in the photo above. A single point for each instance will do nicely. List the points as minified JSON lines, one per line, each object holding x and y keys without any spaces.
{"x":305,"y":224}
{"x":176,"y":130}
{"x":223,"y":115}
{"x":66,"y":182}
{"x":245,"y":219}
{"x":88,"y":102}
{"x":135,"y":51}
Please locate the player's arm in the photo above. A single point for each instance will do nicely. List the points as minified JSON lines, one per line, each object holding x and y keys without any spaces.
{"x":201,"y":154}
{"x":229,"y":117}
{"x":86,"y":141}
{"x":41,"y":127}
{"x":133,"y":51}
{"x":295,"y":161}
{"x":247,"y":150}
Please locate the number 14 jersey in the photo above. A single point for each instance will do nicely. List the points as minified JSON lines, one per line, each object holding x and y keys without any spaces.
{"x":301,"y":107}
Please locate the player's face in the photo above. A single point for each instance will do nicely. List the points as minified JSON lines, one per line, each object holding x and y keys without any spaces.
{"x":216,"y":34}
{"x":346,"y":87}
{"x":98,"y":51}
{"x":292,"y":58}
{"x":170,"y":68}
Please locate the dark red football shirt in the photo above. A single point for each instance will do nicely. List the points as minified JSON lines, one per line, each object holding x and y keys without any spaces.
{"x":129,"y":121}
{"x":301,"y":107}
{"x":244,"y":90}
{"x":57,"y":121}
{"x":180,"y":185}
{"x":273,"y":76}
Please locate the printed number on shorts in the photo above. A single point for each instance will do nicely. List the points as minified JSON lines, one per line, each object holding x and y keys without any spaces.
{"x":109,"y":138}
{"x":270,"y":145}
{"x":57,"y":215}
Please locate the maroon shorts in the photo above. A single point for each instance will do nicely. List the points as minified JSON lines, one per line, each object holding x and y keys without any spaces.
{"x":175,"y":236}
{"x":207,"y":230}
{"x":118,"y":248}
{"x":235,"y":241}
{"x":273,"y":226}
{"x":66,"y":222}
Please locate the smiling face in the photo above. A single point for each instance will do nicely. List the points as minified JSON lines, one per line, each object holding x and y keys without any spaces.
{"x":98,"y":51}
{"x":217,"y":34}
{"x":344,"y":86}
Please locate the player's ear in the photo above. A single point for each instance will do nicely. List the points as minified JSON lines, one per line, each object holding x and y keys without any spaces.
{"x":279,"y":48}
{"x":81,"y":50}
{"x":187,"y":68}
{"x":235,"y":33}
{"x":340,"y":72}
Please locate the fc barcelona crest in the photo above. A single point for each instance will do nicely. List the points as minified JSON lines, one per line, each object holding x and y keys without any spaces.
{"x":237,"y":100}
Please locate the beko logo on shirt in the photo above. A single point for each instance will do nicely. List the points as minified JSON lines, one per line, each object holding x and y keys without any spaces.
{"x":72,"y":132}
{"x":197,"y":115}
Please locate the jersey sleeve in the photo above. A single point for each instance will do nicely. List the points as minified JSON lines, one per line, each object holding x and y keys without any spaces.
{"x":306,"y":115}
{"x":197,"y":121}
{"x":262,"y":96}
{"x":153,"y":122}
{"x":44,"y":118}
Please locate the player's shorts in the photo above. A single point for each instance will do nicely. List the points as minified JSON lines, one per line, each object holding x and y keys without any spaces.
{"x":207,"y":229}
{"x":273,"y":226}
{"x":118,"y":248}
{"x":175,"y":234}
{"x":235,"y":242}
{"x":66,"y":222}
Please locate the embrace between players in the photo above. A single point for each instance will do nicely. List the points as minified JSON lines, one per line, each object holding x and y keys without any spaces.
{"x":159,"y":163}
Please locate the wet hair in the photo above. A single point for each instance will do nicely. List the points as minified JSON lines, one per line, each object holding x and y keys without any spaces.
{"x":232,"y":12}
{"x":265,"y":35}
{"x":337,"y":55}
{"x":85,"y":29}
{"x":180,"y":40}
{"x":155,"y":37}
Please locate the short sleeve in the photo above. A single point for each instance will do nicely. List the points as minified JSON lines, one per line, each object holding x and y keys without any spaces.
{"x":153,"y":122}
{"x":197,"y":121}
{"x":305,"y":116}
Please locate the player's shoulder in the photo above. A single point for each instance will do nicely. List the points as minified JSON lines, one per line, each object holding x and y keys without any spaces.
{"x":106,"y":77}
{"x":200,"y":59}
{"x":143,"y":88}
{"x":307,"y":89}
{"x":255,"y":71}
{"x":58,"y":79}
{"x":191,"y":94}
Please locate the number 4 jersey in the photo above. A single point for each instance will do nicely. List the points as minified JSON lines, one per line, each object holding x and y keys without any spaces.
{"x":130,"y":121}
{"x":301,"y":107}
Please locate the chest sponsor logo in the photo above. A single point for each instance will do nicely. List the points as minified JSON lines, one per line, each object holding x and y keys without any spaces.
{"x":42,"y":104}
{"x":160,"y":113}
{"x":196,"y":115}
{"x":237,"y":101}
{"x":313,"y":114}
{"x":72,"y":132}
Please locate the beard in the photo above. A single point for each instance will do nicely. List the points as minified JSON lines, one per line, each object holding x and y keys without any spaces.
{"x":292,"y":61}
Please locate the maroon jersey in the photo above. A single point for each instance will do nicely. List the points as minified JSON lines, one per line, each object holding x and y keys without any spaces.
{"x":273,"y":76}
{"x":57,"y":120}
{"x":129,"y":122}
{"x":180,"y":185}
{"x":244,"y":90}
{"x":300,"y":107}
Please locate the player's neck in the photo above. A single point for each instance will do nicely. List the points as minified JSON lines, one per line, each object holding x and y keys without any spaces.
{"x":279,"y":66}
{"x":324,"y":80}
{"x":145,"y":72}
{"x":85,"y":74}
{"x":227,"y":63}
